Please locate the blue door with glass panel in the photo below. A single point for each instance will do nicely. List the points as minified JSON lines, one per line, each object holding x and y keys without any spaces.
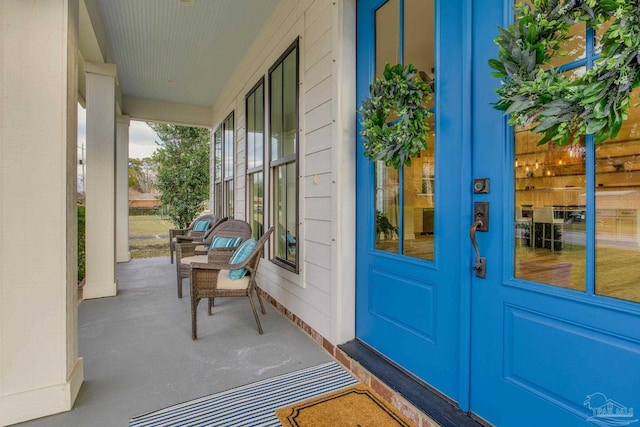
{"x":409,"y":229}
{"x":551,"y":335}
{"x":556,"y":323}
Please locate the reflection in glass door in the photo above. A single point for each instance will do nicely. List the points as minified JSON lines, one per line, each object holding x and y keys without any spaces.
{"x":564,"y":236}
{"x":617,"y":212}
{"x":404,"y":200}
{"x":550,"y":211}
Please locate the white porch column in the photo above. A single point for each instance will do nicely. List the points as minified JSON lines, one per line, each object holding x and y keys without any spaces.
{"x":101,"y":182}
{"x":122,"y":189}
{"x":40,"y":372}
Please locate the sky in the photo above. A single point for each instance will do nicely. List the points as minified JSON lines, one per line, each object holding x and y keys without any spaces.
{"x":141,"y":140}
{"x":141,"y":137}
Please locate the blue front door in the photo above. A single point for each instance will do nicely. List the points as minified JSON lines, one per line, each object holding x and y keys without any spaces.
{"x":409,"y":232}
{"x":556,"y":323}
{"x":551,"y":336}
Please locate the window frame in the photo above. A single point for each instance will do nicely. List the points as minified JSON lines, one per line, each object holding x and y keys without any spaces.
{"x":217,"y":177}
{"x":250,"y":172}
{"x":230,"y":178}
{"x":221,"y":182}
{"x":291,"y":158}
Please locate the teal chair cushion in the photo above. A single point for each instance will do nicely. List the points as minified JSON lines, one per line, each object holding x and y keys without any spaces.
{"x":225,"y":242}
{"x":201,"y":226}
{"x":239,"y":255}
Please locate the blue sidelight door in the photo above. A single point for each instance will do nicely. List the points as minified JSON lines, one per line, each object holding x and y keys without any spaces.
{"x":556,"y":323}
{"x":410,"y":226}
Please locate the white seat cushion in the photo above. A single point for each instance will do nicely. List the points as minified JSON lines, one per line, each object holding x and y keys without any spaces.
{"x":201,"y":248}
{"x":224,"y":282}
{"x":196,"y":258}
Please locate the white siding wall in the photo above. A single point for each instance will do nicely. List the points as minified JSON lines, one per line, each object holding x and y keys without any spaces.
{"x":323,"y":293}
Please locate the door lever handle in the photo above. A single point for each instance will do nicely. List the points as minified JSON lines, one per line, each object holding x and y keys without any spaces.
{"x":481,"y":262}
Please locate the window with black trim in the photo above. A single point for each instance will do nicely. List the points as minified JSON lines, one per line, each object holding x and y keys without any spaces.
{"x":228,"y":136}
{"x":255,"y":158}
{"x":217,"y":171}
{"x":283,"y":137}
{"x":223,"y":173}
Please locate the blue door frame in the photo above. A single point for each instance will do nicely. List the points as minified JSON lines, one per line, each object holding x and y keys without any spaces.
{"x":513,"y":352}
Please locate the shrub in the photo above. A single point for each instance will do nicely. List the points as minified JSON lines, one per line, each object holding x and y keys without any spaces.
{"x":182,"y":162}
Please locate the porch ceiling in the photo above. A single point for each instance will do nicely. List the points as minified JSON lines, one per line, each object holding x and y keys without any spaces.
{"x":172,"y":51}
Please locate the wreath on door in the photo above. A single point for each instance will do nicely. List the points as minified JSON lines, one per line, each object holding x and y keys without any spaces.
{"x":562,"y":108}
{"x":401,"y":93}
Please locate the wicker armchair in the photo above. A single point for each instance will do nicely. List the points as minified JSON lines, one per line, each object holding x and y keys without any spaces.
{"x":203,"y":246}
{"x":211,"y":280}
{"x":175,"y":232}
{"x":186,"y":252}
{"x":199,"y":237}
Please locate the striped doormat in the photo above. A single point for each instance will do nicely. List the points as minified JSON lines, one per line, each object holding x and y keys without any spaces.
{"x":253,"y":404}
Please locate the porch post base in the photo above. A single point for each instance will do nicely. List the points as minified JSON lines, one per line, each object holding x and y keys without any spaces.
{"x":32,"y":404}
{"x":124,"y":257}
{"x":99,"y":290}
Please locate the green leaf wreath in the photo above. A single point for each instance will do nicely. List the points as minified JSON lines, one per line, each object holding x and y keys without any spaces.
{"x":401,"y":92}
{"x":595,"y":103}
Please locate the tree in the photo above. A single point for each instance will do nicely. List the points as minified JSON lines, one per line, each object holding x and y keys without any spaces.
{"x":182,"y":164}
{"x":142,"y":174}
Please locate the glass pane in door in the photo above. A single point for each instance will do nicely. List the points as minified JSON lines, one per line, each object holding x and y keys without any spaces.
{"x":550,"y":211}
{"x":387,"y":35}
{"x":386,"y":207}
{"x":573,"y":48}
{"x":419,"y":204}
{"x":617,"y":211}
{"x":387,"y":184}
{"x":419,"y":182}
{"x":550,"y":235}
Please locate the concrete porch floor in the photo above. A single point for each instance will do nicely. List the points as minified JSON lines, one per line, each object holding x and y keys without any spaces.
{"x":139,"y":356}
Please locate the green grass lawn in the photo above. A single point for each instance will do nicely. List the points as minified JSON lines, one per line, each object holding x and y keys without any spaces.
{"x":145,"y":225}
{"x":157,"y":231}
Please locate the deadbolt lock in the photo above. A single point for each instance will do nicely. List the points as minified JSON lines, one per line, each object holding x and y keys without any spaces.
{"x":481,"y":186}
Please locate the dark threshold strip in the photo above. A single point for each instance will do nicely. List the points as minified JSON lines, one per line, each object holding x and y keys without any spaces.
{"x":418,"y":393}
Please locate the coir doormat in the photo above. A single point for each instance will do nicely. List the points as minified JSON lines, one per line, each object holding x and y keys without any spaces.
{"x":357,"y":405}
